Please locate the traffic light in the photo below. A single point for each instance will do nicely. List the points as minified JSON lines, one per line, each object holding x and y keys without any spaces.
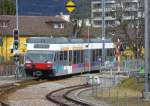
{"x":16,"y":34}
{"x":16,"y":45}
{"x":16,"y":39}
{"x":16,"y":57}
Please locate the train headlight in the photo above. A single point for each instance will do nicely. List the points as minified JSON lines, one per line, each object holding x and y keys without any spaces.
{"x":49,"y":62}
{"x":28,"y":61}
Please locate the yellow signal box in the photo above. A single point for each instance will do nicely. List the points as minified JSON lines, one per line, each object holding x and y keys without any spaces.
{"x":70,"y":6}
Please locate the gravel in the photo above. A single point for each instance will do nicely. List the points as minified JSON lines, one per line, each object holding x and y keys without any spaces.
{"x":35,"y":95}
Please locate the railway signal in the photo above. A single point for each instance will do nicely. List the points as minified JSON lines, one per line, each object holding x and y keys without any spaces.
{"x":16,"y":39}
{"x":16,"y":57}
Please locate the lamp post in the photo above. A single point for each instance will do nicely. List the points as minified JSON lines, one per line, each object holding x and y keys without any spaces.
{"x":147,"y":50}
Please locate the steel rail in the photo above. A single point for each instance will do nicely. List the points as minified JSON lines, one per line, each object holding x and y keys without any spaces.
{"x":59,"y":96}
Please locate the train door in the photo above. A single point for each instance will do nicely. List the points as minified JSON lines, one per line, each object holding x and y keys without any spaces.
{"x":96,"y":59}
{"x":61,"y":62}
{"x":87,"y":59}
{"x":76,"y":59}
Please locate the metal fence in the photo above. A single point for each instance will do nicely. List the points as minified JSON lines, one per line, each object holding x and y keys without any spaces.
{"x":9,"y":72}
{"x":123,"y":66}
{"x":103,"y":85}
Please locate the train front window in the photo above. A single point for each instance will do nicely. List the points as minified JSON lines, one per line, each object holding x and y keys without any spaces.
{"x":39,"y":57}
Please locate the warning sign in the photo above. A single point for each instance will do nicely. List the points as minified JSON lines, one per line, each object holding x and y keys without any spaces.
{"x":70,"y":6}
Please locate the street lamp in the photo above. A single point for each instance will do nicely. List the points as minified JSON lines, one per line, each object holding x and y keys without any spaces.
{"x":147,"y":50}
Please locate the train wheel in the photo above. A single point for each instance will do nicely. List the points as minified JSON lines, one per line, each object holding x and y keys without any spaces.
{"x":29,"y":73}
{"x":38,"y":74}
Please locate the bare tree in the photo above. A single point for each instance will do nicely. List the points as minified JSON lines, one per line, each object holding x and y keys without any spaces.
{"x":132,"y":29}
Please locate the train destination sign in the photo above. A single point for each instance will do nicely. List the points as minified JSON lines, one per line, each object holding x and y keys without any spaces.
{"x":41,"y":46}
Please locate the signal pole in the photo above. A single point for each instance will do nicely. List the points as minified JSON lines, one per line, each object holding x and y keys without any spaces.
{"x":103,"y":32}
{"x":16,"y":42}
{"x":17,"y":21}
{"x":147,"y":50}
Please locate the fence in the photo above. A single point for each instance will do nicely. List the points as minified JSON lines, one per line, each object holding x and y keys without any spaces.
{"x":115,"y":96}
{"x":124,"y":66}
{"x":9,"y":71}
{"x":105,"y":88}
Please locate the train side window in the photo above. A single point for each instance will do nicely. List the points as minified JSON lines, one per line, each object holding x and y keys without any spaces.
{"x":96,"y":53}
{"x":74,"y":57}
{"x":81,"y":56}
{"x":70,"y":57}
{"x":65,"y":55}
{"x":93,"y":55}
{"x":78,"y":60}
{"x":109,"y":52}
{"x":100,"y":52}
{"x":61,"y":55}
{"x":56,"y":57}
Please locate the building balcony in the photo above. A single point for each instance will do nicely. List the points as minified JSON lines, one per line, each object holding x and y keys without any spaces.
{"x":130,"y":1}
{"x":129,"y":18}
{"x":100,"y":1}
{"x":101,"y":10}
{"x":100,"y":25}
{"x":130,"y":9}
{"x":106,"y":18}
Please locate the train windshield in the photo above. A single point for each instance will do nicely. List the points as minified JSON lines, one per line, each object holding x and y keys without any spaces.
{"x":39,"y":57}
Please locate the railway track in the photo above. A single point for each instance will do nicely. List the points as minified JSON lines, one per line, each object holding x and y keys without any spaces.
{"x":3,"y":90}
{"x":61,"y":97}
{"x":8,"y":88}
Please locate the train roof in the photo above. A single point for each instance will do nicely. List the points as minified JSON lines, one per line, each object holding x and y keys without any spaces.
{"x":64,"y":40}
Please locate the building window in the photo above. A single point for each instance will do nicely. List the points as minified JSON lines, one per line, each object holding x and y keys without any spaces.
{"x":58,"y":25}
{"x":97,"y":22}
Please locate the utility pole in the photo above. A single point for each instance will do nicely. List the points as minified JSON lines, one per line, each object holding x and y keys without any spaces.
{"x":147,"y":51}
{"x":103,"y":32}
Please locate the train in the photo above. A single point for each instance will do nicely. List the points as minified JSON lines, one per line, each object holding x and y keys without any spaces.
{"x":51,"y":57}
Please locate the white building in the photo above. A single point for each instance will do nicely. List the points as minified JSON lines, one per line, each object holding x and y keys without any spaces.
{"x":131,"y":9}
{"x":96,"y":13}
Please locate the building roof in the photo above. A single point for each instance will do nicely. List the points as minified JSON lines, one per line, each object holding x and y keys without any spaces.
{"x":64,"y":40}
{"x":35,"y":26}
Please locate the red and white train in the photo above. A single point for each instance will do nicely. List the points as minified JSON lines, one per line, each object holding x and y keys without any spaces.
{"x":63,"y":56}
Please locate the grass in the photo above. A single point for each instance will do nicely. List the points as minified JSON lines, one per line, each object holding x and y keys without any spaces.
{"x":133,"y":84}
{"x":128,"y":93}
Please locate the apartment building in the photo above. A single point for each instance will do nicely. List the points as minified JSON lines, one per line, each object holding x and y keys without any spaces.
{"x":96,"y":13}
{"x":130,"y":10}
